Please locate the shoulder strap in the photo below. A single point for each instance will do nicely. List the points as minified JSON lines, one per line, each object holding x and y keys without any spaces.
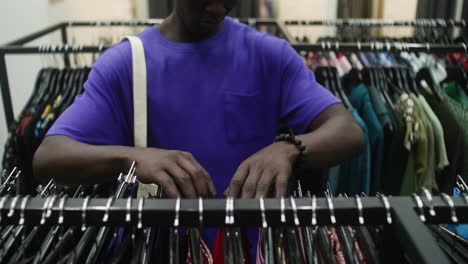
{"x":140,"y":109}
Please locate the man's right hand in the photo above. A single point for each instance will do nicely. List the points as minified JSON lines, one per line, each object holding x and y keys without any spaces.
{"x":178,"y":173}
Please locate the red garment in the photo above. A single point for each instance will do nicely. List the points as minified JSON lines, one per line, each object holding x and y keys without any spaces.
{"x":339,"y":254}
{"x":218,"y":250}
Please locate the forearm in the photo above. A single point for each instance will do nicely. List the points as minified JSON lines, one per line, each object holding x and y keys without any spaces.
{"x":72,"y":162}
{"x":335,"y":137}
{"x":334,"y":142}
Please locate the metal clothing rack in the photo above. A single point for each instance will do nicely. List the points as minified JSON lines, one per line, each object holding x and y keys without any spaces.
{"x":402,"y":214}
{"x":431,"y":23}
{"x":325,"y":46}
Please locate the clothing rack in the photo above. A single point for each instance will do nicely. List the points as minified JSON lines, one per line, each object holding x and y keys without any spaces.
{"x":431,"y":23}
{"x":325,"y":46}
{"x":402,"y":213}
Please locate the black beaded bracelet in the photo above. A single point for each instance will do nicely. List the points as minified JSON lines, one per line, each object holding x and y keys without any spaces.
{"x":293,"y":140}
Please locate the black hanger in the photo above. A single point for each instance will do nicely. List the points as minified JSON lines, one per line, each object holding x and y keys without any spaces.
{"x":366,"y":241}
{"x":346,"y":242}
{"x":37,"y":85}
{"x":68,"y":91}
{"x":322,"y":78}
{"x":385,"y":91}
{"x":146,"y":254}
{"x":51,"y":85}
{"x":425,"y":74}
{"x":325,"y":246}
{"x":340,"y":89}
{"x":457,"y":74}
{"x":43,"y":87}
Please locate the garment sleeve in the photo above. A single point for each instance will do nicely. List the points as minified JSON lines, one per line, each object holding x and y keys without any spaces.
{"x":302,"y":98}
{"x":99,"y":116}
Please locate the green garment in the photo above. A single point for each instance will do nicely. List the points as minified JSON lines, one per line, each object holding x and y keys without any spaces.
{"x":416,"y":142}
{"x":454,"y":91}
{"x":395,"y":154}
{"x":454,"y":139}
{"x":441,"y":151}
{"x":428,"y":179}
{"x":461,"y":114}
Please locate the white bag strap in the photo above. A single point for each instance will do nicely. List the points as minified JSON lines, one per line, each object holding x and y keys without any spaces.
{"x":140,"y":109}
{"x":140,"y":98}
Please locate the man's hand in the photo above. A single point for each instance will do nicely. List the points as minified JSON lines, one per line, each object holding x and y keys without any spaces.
{"x":256,"y":175}
{"x":177,"y":172}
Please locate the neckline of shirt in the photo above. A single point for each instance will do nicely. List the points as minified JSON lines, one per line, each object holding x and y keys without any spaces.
{"x":194,"y":46}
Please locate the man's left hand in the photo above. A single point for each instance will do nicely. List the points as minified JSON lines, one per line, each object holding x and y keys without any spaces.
{"x":256,"y":175}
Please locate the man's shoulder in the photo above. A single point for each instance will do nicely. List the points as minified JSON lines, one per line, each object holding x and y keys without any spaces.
{"x":253,"y":34}
{"x":262,"y":42}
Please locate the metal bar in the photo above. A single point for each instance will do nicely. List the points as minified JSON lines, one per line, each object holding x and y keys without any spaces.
{"x":160,"y":212}
{"x":438,"y":23}
{"x":150,"y":22}
{"x":35,"y":35}
{"x":325,"y":46}
{"x":54,"y":49}
{"x":66,"y":57}
{"x":381,"y":47}
{"x":415,"y":237}
{"x":284,"y":32}
{"x":6,"y":96}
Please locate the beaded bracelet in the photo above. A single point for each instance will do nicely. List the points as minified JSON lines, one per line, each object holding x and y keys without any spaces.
{"x":290,"y":138}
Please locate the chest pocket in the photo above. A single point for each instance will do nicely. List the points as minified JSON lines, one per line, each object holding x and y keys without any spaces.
{"x":244,"y":117}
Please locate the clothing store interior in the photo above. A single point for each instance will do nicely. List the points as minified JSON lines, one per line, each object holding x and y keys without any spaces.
{"x":234,"y":131}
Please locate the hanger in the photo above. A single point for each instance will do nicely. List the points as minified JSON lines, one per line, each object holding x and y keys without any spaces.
{"x":420,"y":205}
{"x":429,"y":200}
{"x":174,"y":237}
{"x":291,"y":236}
{"x":451,"y":205}
{"x":340,"y":89}
{"x":387,"y":206}
{"x":194,"y":236}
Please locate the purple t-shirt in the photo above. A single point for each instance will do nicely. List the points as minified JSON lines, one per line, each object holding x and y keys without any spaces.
{"x":221,"y":99}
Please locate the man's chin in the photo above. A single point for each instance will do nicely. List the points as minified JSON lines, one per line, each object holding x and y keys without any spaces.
{"x":208,"y":29}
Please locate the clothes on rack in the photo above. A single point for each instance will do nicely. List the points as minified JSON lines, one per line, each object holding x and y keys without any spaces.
{"x":304,"y":242}
{"x":54,"y":91}
{"x":413,"y":112}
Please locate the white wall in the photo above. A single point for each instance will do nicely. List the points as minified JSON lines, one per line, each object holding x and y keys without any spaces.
{"x":308,"y":10}
{"x":92,"y":10}
{"x":399,"y":10}
{"x":18,"y":18}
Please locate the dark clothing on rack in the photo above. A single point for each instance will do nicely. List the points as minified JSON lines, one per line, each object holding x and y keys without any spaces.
{"x":360,"y":98}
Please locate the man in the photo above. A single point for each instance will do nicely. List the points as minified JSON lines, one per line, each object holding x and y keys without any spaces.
{"x":217,"y":92}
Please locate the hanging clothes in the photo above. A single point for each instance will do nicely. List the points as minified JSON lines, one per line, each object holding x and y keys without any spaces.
{"x":360,"y":98}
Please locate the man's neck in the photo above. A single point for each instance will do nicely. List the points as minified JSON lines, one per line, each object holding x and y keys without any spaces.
{"x":174,"y":29}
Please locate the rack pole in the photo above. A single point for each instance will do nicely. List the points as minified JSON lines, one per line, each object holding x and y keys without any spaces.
{"x":35,"y":35}
{"x":6,"y":96}
{"x":415,"y":237}
{"x":66,"y":57}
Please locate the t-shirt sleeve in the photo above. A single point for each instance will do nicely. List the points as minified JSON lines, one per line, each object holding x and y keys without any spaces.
{"x":302,"y":98}
{"x":98,"y":115}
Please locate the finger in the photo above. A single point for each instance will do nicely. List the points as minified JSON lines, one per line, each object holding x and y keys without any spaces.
{"x":209,"y":180}
{"x":198,"y":179}
{"x":237,"y":181}
{"x":281,"y":185}
{"x":250,"y":185}
{"x":264,"y":184}
{"x":168,"y":185}
{"x":183,"y":181}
